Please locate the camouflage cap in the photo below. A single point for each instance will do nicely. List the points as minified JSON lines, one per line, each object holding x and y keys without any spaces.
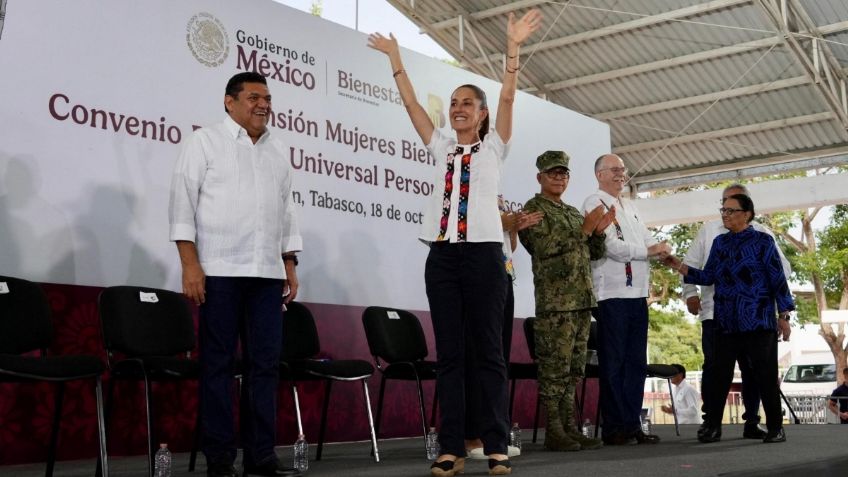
{"x":550,"y":159}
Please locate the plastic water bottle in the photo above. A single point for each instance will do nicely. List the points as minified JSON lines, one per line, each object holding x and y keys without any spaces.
{"x":432,"y":443}
{"x":588,"y":429}
{"x":301,"y":453}
{"x":162,"y":462}
{"x":515,"y":436}
{"x":646,"y":425}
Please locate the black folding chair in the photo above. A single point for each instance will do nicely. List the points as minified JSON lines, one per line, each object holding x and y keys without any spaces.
{"x":149,"y":336}
{"x":397,"y":342}
{"x":666,"y":371}
{"x":25,"y":326}
{"x":298,"y":363}
{"x":591,"y":372}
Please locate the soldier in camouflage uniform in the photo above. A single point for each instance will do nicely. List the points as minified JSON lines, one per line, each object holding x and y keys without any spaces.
{"x":561,"y":246}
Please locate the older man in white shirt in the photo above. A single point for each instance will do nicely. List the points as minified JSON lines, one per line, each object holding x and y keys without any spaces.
{"x":621,"y":283}
{"x":233,"y":219}
{"x":702,"y":307}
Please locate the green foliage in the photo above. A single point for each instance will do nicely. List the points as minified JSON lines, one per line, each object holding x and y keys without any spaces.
{"x":317,"y":8}
{"x":665,"y":282}
{"x":832,"y":254}
{"x":672,"y":339}
{"x":806,"y":309}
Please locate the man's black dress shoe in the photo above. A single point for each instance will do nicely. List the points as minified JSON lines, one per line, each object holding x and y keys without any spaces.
{"x":710,"y":434}
{"x":777,"y":436}
{"x":642,"y":438}
{"x":619,"y":439}
{"x":753,"y":431}
{"x":221,"y":470}
{"x":271,"y":468}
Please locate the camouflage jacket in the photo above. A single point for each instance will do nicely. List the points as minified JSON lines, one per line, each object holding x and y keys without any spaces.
{"x":561,"y":254}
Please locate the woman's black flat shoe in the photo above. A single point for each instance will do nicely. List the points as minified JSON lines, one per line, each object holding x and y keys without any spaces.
{"x":447,"y":468}
{"x":499,"y":467}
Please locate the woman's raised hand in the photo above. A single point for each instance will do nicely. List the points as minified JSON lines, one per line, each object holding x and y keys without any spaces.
{"x":380,"y":43}
{"x":519,"y":31}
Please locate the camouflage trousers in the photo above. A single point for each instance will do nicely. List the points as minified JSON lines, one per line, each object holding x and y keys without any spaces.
{"x":561,"y":339}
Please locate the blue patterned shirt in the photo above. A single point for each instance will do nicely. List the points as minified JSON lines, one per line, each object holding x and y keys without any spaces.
{"x":748,"y":276}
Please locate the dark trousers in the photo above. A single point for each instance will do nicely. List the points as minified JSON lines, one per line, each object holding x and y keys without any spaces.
{"x":473,"y":402}
{"x":622,"y":362}
{"x":759,"y":349}
{"x":466,"y":282}
{"x":251,"y":307}
{"x":750,"y":391}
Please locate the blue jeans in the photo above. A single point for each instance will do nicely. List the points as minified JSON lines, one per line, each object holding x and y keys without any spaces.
{"x":750,"y":391}
{"x":622,"y":361}
{"x":251,"y":308}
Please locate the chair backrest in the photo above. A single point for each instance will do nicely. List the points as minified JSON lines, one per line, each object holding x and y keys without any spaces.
{"x":530,"y":336}
{"x":24,"y":316}
{"x":139,"y":321}
{"x":393,"y":334}
{"x":300,"y":336}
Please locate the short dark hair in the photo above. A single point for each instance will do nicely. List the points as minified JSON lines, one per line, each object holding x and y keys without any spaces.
{"x":680,"y":369}
{"x":746,"y":204}
{"x":236,"y":84}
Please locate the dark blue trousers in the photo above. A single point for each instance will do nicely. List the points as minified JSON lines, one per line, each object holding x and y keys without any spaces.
{"x":252,"y":308}
{"x":467,"y":281}
{"x":750,"y":391}
{"x":622,"y":360}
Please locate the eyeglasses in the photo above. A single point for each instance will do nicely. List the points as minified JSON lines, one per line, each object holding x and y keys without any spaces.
{"x":729,"y":210}
{"x":615,"y":170}
{"x":558,"y":173}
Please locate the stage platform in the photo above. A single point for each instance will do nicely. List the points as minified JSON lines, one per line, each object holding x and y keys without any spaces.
{"x":810,"y":450}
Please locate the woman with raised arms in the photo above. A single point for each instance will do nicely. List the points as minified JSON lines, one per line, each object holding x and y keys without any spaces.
{"x":464,"y":273}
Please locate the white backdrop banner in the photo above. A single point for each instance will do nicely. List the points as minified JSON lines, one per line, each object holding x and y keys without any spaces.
{"x":98,"y":95}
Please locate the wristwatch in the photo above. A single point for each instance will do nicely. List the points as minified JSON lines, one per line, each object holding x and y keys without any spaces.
{"x":291,"y":258}
{"x":783,"y":316}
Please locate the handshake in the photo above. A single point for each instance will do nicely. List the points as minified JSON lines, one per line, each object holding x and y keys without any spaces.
{"x":664,"y":256}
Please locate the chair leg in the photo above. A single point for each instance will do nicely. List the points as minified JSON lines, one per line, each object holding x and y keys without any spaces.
{"x":297,"y":409}
{"x":536,"y":417}
{"x":581,"y":402}
{"x":328,"y":385}
{"x":107,"y":413}
{"x":380,"y":404}
{"x":374,"y":450}
{"x":148,"y":397}
{"x":195,"y":446}
{"x":54,"y":431}
{"x":379,"y":410}
{"x":673,"y":410}
{"x":421,"y":409}
{"x":598,"y":416}
{"x":103,"y":461}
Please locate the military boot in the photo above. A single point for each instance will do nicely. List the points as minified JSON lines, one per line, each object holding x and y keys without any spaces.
{"x":555,"y":437}
{"x":566,"y":412}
